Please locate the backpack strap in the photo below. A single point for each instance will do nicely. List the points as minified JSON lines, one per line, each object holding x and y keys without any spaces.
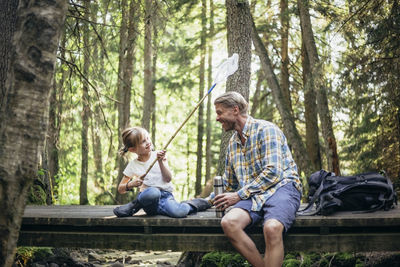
{"x":306,"y":210}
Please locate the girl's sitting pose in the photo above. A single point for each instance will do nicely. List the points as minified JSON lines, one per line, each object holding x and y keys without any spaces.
{"x":155,"y":195}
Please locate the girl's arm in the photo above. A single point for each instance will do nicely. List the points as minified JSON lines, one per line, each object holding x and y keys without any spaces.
{"x":128,"y":183}
{"x":162,"y":160}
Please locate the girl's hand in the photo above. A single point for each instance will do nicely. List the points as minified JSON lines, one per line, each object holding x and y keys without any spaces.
{"x":161,"y":155}
{"x":136,"y":182}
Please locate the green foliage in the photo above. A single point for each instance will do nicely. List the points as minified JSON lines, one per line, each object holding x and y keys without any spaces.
{"x":369,"y":78}
{"x":221,"y":259}
{"x":37,"y":194}
{"x":25,"y":255}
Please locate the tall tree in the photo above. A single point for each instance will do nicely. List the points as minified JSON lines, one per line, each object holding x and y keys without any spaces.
{"x":209,"y":79}
{"x":55,"y":111}
{"x":289,"y":126}
{"x":238,"y":26}
{"x":96,"y":120}
{"x":320,"y":86}
{"x":128,"y":36}
{"x":200,"y":122}
{"x":148,"y":66}
{"x":83,"y":197}
{"x":285,"y":85}
{"x":23,"y":114}
{"x":310,"y":113}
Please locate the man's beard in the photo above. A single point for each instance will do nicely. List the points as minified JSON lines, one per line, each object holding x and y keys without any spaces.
{"x":229,"y":126}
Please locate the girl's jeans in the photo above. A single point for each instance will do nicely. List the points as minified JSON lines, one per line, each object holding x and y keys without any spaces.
{"x":155,"y":201}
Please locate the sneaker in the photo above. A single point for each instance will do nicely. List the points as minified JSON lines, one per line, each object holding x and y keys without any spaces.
{"x":199,"y":204}
{"x":128,"y":209}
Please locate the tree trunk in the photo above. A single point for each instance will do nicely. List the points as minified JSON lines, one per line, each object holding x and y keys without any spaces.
{"x":8,"y":10}
{"x":53,"y":131}
{"x":148,"y":56}
{"x":294,"y":138}
{"x":83,"y":198}
{"x":257,"y":94}
{"x":310,"y":113}
{"x":127,"y":44}
{"x":96,"y":120}
{"x":238,"y":25}
{"x":24,"y":108}
{"x":210,"y":79}
{"x":285,"y":85}
{"x":200,"y":122}
{"x":319,"y":84}
{"x":154,"y":71}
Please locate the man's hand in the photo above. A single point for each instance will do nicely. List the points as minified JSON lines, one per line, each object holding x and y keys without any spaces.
{"x":225,"y":200}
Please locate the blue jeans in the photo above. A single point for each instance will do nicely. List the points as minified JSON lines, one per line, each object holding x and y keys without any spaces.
{"x":155,"y":201}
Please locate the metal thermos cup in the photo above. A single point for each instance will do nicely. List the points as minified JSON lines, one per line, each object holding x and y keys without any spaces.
{"x":218,"y":189}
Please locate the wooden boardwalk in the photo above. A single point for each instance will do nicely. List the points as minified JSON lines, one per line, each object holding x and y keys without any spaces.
{"x":97,"y":227}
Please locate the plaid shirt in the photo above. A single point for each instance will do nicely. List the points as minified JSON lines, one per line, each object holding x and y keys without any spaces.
{"x":262,"y":165}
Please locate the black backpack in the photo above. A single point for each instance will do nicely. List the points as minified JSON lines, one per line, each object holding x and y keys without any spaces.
{"x":365,"y":192}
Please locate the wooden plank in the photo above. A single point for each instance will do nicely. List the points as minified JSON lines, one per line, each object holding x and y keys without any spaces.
{"x":97,"y":227}
{"x":209,"y":242}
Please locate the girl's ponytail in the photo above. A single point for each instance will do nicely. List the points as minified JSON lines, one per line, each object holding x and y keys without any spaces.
{"x":122,"y":151}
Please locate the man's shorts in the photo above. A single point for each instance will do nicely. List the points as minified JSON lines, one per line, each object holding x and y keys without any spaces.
{"x":282,"y":206}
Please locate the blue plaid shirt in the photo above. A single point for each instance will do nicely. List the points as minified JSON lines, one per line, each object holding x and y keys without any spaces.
{"x":262,"y":165}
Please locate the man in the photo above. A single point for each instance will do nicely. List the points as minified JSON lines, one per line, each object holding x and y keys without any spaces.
{"x":262,"y":178}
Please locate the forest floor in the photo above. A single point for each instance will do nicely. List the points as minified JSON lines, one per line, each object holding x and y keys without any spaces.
{"x":125,"y":258}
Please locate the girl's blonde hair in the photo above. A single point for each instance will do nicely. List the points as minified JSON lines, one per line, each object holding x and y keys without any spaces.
{"x":131,"y":137}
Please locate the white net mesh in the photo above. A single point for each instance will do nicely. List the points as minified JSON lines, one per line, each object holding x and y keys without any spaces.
{"x":226,"y":68}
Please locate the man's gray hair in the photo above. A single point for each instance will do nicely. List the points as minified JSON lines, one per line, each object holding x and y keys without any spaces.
{"x":232,"y":99}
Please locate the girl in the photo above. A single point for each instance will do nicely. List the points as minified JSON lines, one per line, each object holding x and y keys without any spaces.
{"x":155,"y":195}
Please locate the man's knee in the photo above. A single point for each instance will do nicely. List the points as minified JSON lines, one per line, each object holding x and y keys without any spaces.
{"x":235,"y":220}
{"x":273,"y":230}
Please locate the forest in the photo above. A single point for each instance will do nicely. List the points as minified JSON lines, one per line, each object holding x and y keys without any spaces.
{"x":326,"y":72}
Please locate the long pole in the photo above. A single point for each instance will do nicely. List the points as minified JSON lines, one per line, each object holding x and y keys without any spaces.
{"x":180,"y":127}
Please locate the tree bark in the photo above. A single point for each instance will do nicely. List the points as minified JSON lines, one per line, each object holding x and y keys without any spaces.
{"x":24,"y":109}
{"x":200,"y":122}
{"x":54,"y":129}
{"x":310,"y":113}
{"x":96,"y":120}
{"x":148,"y":57}
{"x":285,"y":85}
{"x":208,"y":112}
{"x":83,"y":197}
{"x":294,"y":138}
{"x":319,"y":84}
{"x":128,"y":37}
{"x":238,"y":26}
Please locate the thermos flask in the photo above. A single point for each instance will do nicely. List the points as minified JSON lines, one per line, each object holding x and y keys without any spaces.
{"x":218,"y":189}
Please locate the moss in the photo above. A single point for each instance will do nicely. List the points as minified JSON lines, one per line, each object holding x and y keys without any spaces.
{"x":291,"y":263}
{"x":291,"y":256}
{"x":37,"y":195}
{"x":234,"y":260}
{"x":344,"y":260}
{"x":222,"y":259}
{"x":211,"y":259}
{"x":26,"y":255}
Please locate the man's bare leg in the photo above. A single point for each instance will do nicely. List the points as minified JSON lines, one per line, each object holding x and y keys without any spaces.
{"x":274,"y":252}
{"x":233,"y":224}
